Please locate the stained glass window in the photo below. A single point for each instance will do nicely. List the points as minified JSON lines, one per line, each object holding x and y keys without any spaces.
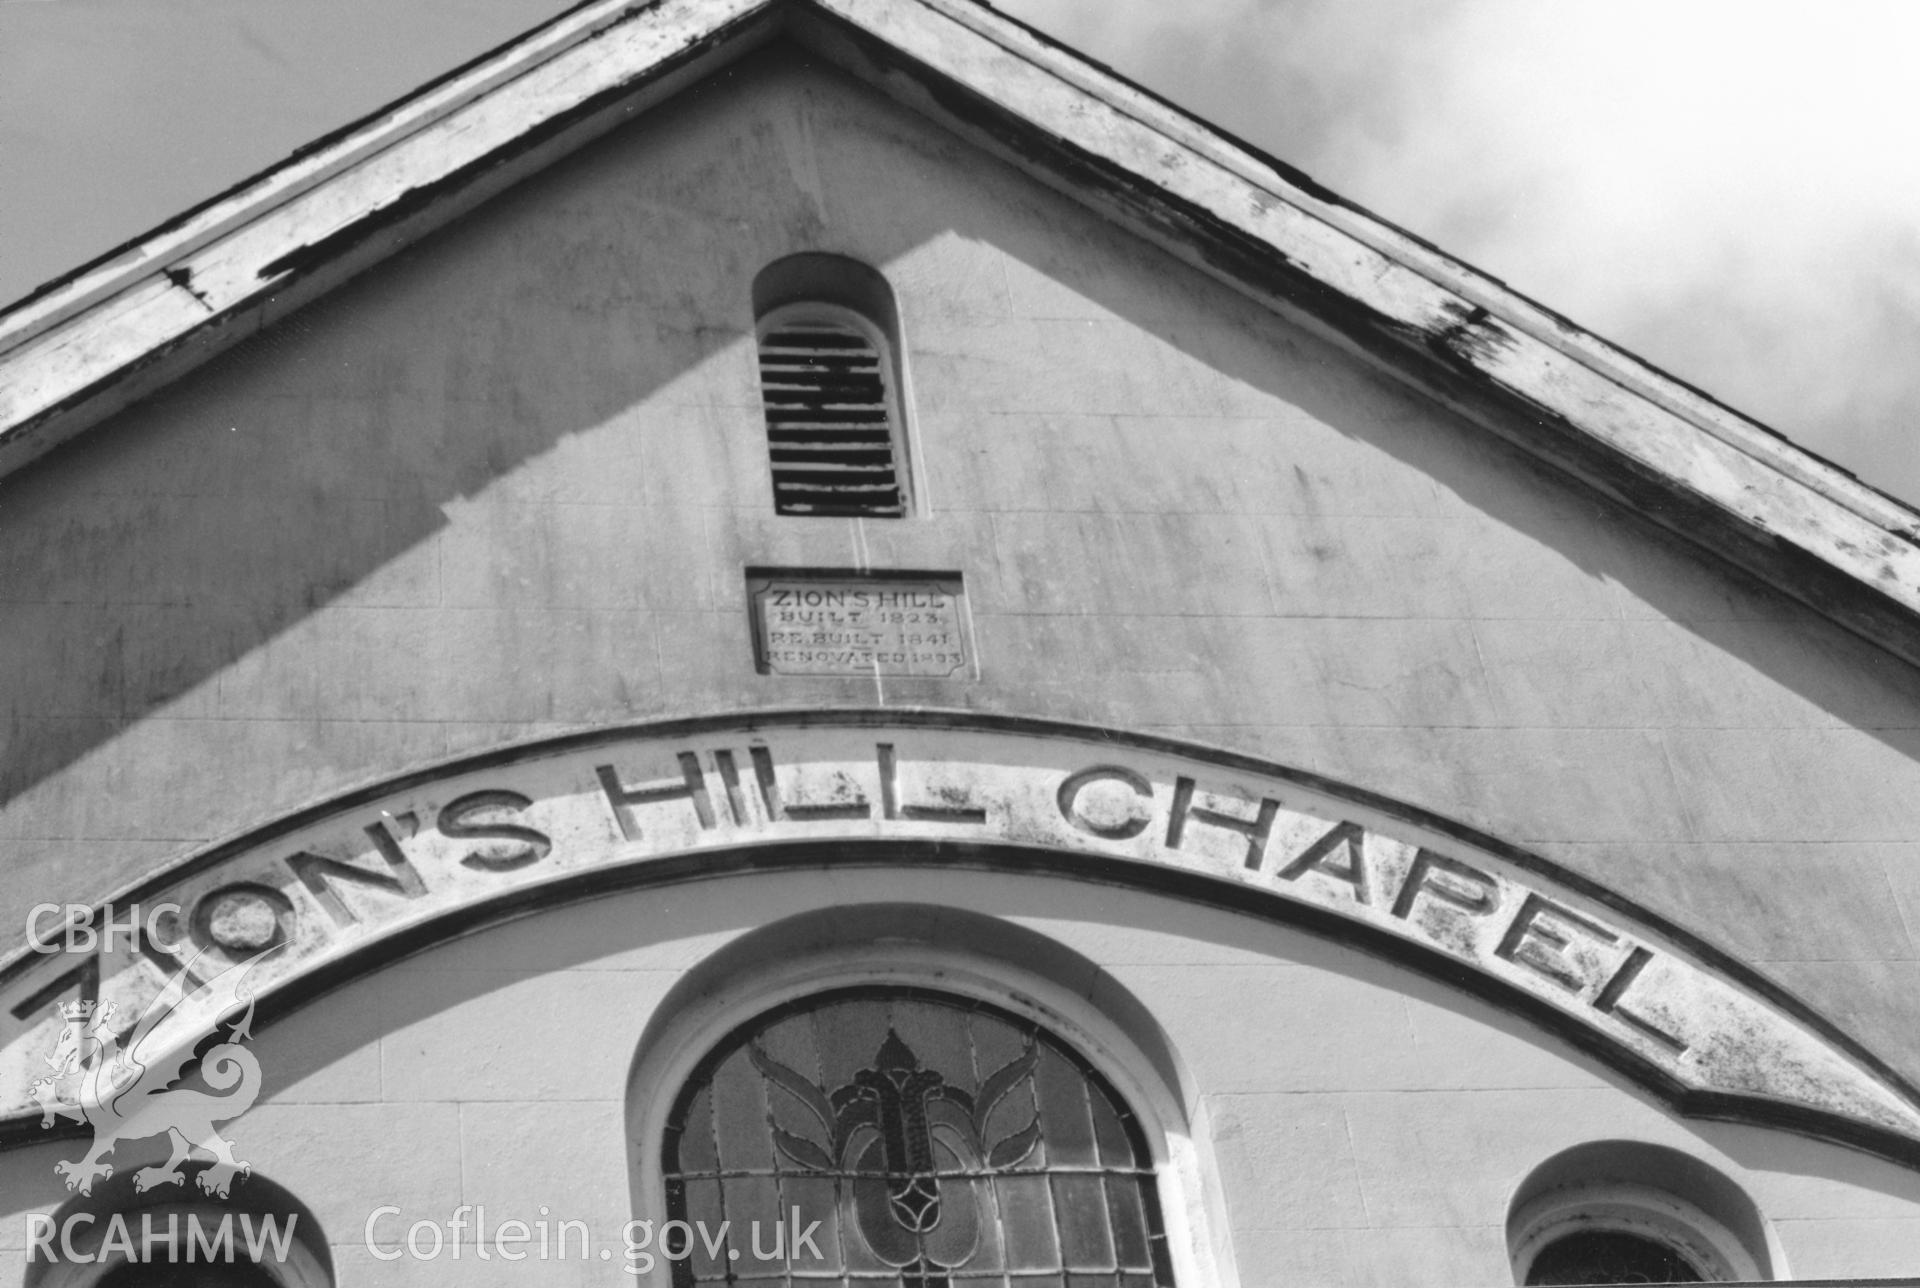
{"x":937,"y":1142}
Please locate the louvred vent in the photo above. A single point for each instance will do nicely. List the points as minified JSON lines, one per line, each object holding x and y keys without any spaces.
{"x":829,"y":422}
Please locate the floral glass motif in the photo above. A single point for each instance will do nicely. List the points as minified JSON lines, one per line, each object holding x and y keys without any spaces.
{"x":938,"y":1141}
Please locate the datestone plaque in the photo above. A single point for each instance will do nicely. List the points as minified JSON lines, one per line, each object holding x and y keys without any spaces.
{"x":852,"y":623}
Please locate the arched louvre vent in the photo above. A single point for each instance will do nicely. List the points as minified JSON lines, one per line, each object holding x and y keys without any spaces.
{"x":1611,"y":1257}
{"x":830,"y":420}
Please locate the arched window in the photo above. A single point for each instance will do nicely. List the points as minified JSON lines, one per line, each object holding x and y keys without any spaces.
{"x":119,"y":1235}
{"x":936,"y":1140}
{"x":240,"y":1274}
{"x":1611,"y":1257}
{"x":1629,"y":1212}
{"x":830,"y":384}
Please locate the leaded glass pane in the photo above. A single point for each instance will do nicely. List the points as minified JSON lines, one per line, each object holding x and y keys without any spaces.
{"x":937,"y":1142}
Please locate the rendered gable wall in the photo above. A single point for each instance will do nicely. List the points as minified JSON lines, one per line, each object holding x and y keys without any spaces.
{"x":506,"y":485}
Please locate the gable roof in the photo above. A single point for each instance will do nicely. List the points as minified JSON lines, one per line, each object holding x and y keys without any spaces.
{"x":90,"y":343}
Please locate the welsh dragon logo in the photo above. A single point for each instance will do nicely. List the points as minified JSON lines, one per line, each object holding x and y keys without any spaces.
{"x":126,"y":1080}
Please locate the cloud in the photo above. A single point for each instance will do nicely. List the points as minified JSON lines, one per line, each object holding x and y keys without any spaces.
{"x":115,"y":116}
{"x":1727,"y":189}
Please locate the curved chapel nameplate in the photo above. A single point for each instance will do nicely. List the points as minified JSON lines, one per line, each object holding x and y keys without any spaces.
{"x":333,"y":891}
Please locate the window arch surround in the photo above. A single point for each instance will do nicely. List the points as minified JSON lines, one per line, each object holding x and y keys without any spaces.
{"x":1632,"y":1203}
{"x":308,"y":1262}
{"x":976,"y":960}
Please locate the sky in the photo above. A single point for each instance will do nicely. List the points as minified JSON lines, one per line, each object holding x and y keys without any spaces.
{"x":1730,"y":190}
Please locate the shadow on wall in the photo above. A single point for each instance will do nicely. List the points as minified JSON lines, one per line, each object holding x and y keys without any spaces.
{"x":174,"y":564}
{"x":319,"y":462}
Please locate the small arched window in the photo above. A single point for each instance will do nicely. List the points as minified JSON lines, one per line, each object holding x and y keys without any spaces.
{"x":1630,"y":1212}
{"x":935,"y":1140}
{"x":830,"y":384}
{"x":1612,"y":1257}
{"x":119,"y":1235}
{"x":240,"y":1274}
